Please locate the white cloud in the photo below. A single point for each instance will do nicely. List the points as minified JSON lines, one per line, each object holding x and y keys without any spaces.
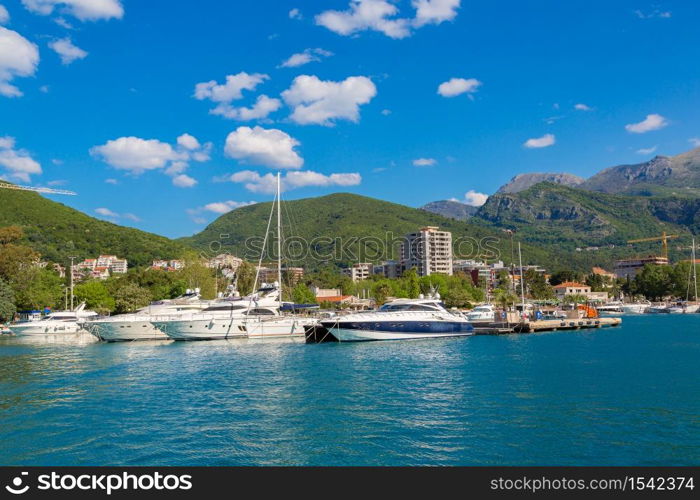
{"x":305,"y":57}
{"x":106,"y":212}
{"x":474,"y":198}
{"x":295,"y":14}
{"x":646,"y":151}
{"x":18,"y":57}
{"x":188,"y":142}
{"x":4,"y":15}
{"x":457,"y":86}
{"x":582,"y":107}
{"x":261,"y":109}
{"x":424,"y":162}
{"x":68,"y":52}
{"x":223,"y":207}
{"x":540,"y":142}
{"x":111,"y":181}
{"x":184,"y":181}
{"x":132,"y":217}
{"x":18,"y":163}
{"x":322,"y":102}
{"x":267,"y":183}
{"x":661,"y":14}
{"x":85,"y":10}
{"x":651,"y":122}
{"x":267,"y":147}
{"x":136,"y":155}
{"x":386,"y":112}
{"x":382,"y":16}
{"x":231,"y":90}
{"x":434,"y":11}
{"x":695,"y":141}
{"x":377,"y":15}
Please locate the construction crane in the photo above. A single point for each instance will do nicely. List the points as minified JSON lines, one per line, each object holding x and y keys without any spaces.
{"x":7,"y":185}
{"x":664,"y":241}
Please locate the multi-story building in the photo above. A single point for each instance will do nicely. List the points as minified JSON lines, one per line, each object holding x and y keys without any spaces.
{"x":225,"y":261}
{"x":291,"y":275}
{"x":428,"y":251}
{"x":168,"y":265}
{"x":102,"y":267}
{"x":629,"y":268}
{"x":388,"y":269}
{"x":360,"y":271}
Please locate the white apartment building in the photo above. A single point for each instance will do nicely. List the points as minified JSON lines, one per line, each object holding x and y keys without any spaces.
{"x":428,"y":251}
{"x":360,"y":271}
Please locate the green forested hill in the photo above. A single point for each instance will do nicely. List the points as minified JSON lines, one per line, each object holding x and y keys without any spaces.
{"x":58,"y":232}
{"x":334,"y":224}
{"x":556,"y":216}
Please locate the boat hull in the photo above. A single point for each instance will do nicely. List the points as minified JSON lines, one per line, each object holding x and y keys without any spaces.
{"x":43,"y":328}
{"x":397,"y":330}
{"x":209,"y":329}
{"x":125,"y":331}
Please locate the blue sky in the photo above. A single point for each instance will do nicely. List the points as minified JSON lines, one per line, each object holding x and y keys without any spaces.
{"x":95,"y":94}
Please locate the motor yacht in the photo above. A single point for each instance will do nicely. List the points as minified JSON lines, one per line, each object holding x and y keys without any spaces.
{"x":137,"y":326}
{"x":482,"y":314}
{"x":636,"y":307}
{"x":400,"y":319}
{"x":55,"y":324}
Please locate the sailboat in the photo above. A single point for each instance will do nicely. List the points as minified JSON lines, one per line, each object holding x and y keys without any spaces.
{"x":257,"y":316}
{"x":688,"y":307}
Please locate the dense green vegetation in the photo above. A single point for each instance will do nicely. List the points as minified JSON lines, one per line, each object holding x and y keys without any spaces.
{"x":341,"y":229}
{"x":57,"y":232}
{"x":556,"y":216}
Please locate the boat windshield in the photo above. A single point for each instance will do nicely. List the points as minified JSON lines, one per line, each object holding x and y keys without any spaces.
{"x":410,"y":307}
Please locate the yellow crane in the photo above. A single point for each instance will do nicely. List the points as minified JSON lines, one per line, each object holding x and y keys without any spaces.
{"x":663,"y":238}
{"x":7,"y":185}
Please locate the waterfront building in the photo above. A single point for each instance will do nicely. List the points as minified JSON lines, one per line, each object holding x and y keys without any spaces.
{"x":428,"y":251}
{"x":291,"y":275}
{"x":629,"y":268}
{"x":569,"y":288}
{"x":360,"y":271}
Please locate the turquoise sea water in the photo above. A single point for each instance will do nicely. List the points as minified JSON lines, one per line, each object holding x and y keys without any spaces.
{"x":623,"y":396}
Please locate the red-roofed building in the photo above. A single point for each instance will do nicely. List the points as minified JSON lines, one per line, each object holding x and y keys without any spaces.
{"x":571,"y":288}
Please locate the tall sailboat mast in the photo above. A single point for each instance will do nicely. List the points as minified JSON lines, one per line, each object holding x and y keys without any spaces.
{"x":695,"y":271}
{"x":522,"y":281}
{"x":279,"y":239}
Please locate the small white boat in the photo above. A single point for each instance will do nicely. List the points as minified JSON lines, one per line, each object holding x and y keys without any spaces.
{"x":636,"y":307}
{"x":683,"y":308}
{"x":55,"y":324}
{"x":400,"y":319}
{"x":610,"y":308}
{"x":482,"y":314}
{"x":658,"y":309}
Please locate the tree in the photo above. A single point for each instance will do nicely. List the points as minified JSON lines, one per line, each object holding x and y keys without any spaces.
{"x":575,"y":299}
{"x":537,"y":285}
{"x":96,"y":296}
{"x":131,"y":297}
{"x":39,"y":289}
{"x":504,"y":298}
{"x":7,"y":302}
{"x":381,"y":291}
{"x":412,"y":285}
{"x":196,"y":275}
{"x":654,"y":282}
{"x":560,"y":277}
{"x":457,"y":296}
{"x":302,"y":295}
{"x":245,"y":278}
{"x":10,"y":234}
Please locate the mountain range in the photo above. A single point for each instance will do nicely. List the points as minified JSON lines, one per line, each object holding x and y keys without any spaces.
{"x":563,"y":222}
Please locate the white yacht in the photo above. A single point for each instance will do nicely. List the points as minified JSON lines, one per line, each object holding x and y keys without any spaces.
{"x":222,"y":320}
{"x":400,"y":319}
{"x":482,"y":314}
{"x":137,"y":326}
{"x":636,"y":307}
{"x":614,"y":307}
{"x":55,"y":324}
